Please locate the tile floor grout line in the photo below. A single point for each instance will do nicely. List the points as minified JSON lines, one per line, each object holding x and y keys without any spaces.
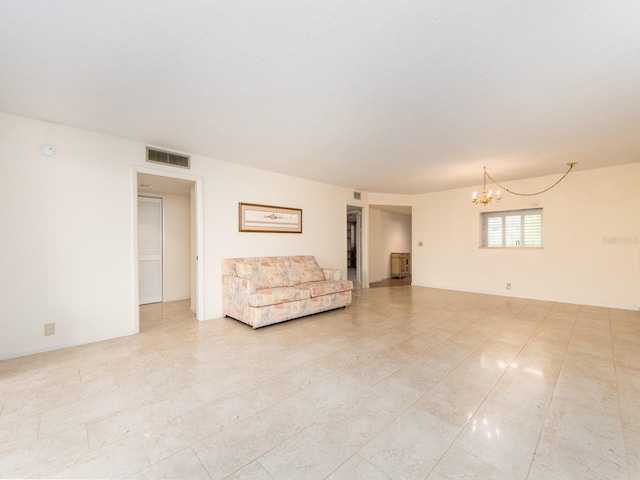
{"x":357,"y":452}
{"x":484,"y":399}
{"x":433,"y":386}
{"x":365,"y":328}
{"x":555,"y":386}
{"x":619,"y":404}
{"x":200,"y":461}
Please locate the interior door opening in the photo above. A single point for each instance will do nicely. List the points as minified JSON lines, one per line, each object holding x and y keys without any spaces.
{"x":179,"y":233}
{"x":354,"y":245}
{"x":390,"y":234}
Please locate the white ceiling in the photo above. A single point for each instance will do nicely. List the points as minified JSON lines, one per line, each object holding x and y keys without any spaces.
{"x":380,"y":96}
{"x":155,"y":184}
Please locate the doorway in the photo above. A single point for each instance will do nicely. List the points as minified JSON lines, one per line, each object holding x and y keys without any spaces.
{"x":354,"y":245}
{"x":180,"y":199}
{"x":390,"y":232}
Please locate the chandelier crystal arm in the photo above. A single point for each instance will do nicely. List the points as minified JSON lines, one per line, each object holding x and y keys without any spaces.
{"x":570,"y":164}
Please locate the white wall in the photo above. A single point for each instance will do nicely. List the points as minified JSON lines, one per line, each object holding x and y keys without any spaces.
{"x":376,"y":268}
{"x":177,"y":247}
{"x":577,"y":264}
{"x":67,"y":255}
{"x":388,"y":233}
{"x":68,"y":224}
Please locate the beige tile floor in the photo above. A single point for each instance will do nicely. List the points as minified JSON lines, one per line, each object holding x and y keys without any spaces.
{"x":406,"y":383}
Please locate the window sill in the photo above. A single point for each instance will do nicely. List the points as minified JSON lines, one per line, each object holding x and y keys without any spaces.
{"x":511,"y":248}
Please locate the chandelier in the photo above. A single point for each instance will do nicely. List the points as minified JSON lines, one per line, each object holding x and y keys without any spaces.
{"x":488,"y":197}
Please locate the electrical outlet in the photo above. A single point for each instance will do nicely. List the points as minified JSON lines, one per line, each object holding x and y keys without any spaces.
{"x":508,"y":285}
{"x":49,"y":329}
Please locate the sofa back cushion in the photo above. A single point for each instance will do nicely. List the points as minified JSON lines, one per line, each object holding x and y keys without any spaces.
{"x":274,"y":272}
{"x":265,"y":274}
{"x":303,"y":270}
{"x":244,"y":270}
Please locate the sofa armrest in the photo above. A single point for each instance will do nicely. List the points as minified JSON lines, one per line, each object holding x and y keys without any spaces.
{"x":237,"y":286}
{"x":332,"y":274}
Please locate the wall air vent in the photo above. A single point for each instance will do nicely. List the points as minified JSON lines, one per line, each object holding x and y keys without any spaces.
{"x":357,"y":195}
{"x":167,"y":158}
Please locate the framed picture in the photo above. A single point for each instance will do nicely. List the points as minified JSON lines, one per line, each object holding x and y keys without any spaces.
{"x":267,"y":218}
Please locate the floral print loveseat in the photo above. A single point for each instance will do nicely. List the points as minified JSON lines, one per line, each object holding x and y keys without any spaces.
{"x":261,"y":291}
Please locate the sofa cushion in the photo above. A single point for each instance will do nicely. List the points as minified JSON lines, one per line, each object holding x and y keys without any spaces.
{"x":274,"y":296}
{"x":267,"y":274}
{"x":317,"y":289}
{"x":305,"y":270}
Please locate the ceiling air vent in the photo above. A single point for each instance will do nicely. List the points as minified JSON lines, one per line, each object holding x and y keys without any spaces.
{"x":357,"y":195}
{"x":168,"y":158}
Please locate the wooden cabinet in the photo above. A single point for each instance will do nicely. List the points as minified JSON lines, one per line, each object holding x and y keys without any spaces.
{"x":400,"y":265}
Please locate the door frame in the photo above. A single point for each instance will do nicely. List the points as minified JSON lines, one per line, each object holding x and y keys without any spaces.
{"x":359,"y":241}
{"x":199,"y":236}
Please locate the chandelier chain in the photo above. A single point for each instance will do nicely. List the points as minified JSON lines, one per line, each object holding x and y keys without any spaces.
{"x":571,"y":164}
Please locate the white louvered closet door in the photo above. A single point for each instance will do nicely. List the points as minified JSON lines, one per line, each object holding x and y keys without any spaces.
{"x":149,"y":250}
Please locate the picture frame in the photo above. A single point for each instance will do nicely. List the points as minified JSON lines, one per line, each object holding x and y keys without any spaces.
{"x":254,"y":217}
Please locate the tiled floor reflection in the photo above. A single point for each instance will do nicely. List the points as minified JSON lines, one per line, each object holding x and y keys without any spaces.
{"x":406,"y":383}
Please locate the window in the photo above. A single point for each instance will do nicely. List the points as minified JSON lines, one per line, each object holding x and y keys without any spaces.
{"x":514,"y":228}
